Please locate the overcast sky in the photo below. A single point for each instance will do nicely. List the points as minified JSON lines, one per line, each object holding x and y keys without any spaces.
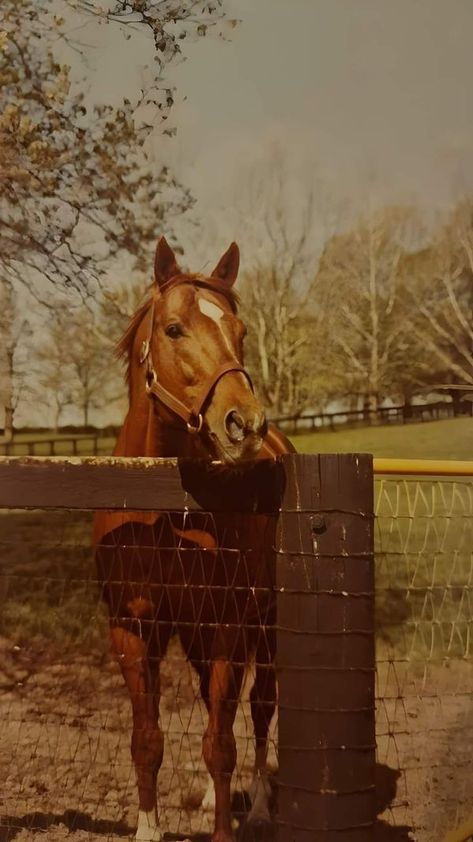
{"x":370,"y":93}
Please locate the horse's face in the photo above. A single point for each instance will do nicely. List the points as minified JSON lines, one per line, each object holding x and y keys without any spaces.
{"x":196,"y":332}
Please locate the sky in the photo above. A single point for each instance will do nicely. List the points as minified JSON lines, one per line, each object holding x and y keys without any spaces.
{"x":372,"y":96}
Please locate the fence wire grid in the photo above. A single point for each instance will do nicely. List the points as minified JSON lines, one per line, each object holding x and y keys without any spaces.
{"x":65,"y":714}
{"x":424,"y":579}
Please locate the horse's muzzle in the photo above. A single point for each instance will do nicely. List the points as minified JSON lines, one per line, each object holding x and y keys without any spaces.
{"x":238,"y":428}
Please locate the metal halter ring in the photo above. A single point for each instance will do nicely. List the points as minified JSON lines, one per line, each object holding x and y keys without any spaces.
{"x":197,"y":429}
{"x":151,"y":378}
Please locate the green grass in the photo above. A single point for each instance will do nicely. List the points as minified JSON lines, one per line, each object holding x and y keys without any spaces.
{"x":423,"y":536}
{"x":448,"y":439}
{"x":48,"y":591}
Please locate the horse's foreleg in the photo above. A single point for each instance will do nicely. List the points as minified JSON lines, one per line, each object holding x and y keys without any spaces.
{"x":263,"y":705}
{"x":219,"y":746}
{"x":142,"y":680}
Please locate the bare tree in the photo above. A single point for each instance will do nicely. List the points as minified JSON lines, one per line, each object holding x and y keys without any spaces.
{"x":283,"y":305}
{"x":439,"y":289}
{"x":362,"y":269}
{"x":116,"y":307}
{"x":15,"y":335}
{"x":170,"y":23}
{"x":74,"y":367}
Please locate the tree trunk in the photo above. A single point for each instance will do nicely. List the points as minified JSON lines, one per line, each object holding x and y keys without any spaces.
{"x":456,"y":395}
{"x":8,"y":430}
{"x":8,"y":394}
{"x":57,"y":416}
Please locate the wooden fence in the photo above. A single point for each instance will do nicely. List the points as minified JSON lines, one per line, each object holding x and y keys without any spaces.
{"x":99,"y":442}
{"x":324,"y":583}
{"x":401,"y":414}
{"x":85,"y":445}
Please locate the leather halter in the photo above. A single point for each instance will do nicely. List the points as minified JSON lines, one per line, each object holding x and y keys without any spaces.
{"x":191,"y":415}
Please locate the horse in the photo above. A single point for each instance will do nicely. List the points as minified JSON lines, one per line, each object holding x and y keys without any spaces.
{"x":191,"y":396}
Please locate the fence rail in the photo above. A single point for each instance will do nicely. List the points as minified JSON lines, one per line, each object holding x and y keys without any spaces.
{"x":55,"y":445}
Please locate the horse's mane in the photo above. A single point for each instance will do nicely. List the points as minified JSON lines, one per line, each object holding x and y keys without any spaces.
{"x":124,"y":345}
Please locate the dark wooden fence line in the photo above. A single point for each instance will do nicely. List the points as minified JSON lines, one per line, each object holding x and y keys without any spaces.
{"x":325,"y":604}
{"x":384,"y":415}
{"x":55,"y":445}
{"x":52,"y":445}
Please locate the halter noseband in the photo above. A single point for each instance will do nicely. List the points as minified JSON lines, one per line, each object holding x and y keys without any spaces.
{"x":192,"y":416}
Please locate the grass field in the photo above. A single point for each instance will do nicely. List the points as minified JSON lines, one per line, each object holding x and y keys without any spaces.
{"x":448,"y":439}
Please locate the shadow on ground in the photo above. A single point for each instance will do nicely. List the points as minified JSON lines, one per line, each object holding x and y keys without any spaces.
{"x":386,"y":785}
{"x":10,"y":826}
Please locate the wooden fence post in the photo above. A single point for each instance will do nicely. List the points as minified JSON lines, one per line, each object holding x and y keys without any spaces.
{"x":325,"y":652}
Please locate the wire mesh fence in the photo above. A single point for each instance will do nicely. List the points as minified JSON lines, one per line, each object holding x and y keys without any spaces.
{"x":424,"y":579}
{"x":65,"y":714}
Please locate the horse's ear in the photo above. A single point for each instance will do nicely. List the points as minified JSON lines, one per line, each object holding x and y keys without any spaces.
{"x":227,"y":267}
{"x":165,"y":264}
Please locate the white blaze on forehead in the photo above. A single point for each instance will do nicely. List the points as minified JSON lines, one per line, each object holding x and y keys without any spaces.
{"x":208,"y":308}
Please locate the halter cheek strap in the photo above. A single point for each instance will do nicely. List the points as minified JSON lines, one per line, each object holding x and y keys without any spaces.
{"x":191,"y":415}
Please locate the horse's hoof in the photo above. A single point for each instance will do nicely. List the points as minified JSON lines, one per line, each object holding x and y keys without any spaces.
{"x":148,"y":835}
{"x":259,"y":828}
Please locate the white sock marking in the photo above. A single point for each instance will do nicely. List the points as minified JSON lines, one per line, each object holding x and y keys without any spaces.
{"x":208,"y":801}
{"x":148,"y":830}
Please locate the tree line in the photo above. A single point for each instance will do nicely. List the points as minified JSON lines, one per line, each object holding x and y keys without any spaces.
{"x":383,"y":311}
{"x":381,"y":316}
{"x":381,"y":307}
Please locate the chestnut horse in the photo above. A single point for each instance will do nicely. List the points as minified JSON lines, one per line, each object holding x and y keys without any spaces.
{"x":162,"y":573}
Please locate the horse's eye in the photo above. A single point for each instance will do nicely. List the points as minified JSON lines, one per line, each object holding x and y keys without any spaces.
{"x":174,"y":331}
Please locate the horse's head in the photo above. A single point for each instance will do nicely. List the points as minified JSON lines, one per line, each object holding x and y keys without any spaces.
{"x":193,"y":357}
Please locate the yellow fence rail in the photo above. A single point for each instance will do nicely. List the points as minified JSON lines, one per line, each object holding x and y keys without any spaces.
{"x":424,"y":467}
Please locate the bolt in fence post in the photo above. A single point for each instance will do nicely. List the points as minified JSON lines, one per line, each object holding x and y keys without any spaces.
{"x":325,"y":650}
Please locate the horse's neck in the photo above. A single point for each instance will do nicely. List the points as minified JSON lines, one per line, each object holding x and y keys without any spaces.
{"x":145,"y":434}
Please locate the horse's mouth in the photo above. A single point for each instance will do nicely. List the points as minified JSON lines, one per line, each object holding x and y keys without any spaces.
{"x":234,"y":454}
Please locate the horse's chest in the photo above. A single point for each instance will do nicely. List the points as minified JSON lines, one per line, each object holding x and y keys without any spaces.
{"x":215,"y":569}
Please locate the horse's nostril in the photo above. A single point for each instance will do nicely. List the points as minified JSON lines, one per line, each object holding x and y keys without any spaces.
{"x":259,"y":425}
{"x":235,"y":426}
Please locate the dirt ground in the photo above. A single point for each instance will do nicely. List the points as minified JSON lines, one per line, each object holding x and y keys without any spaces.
{"x":64,"y":749}
{"x":65,"y":767}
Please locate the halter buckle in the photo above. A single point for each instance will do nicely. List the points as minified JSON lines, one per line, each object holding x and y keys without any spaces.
{"x":193,"y":430}
{"x":144,"y":351}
